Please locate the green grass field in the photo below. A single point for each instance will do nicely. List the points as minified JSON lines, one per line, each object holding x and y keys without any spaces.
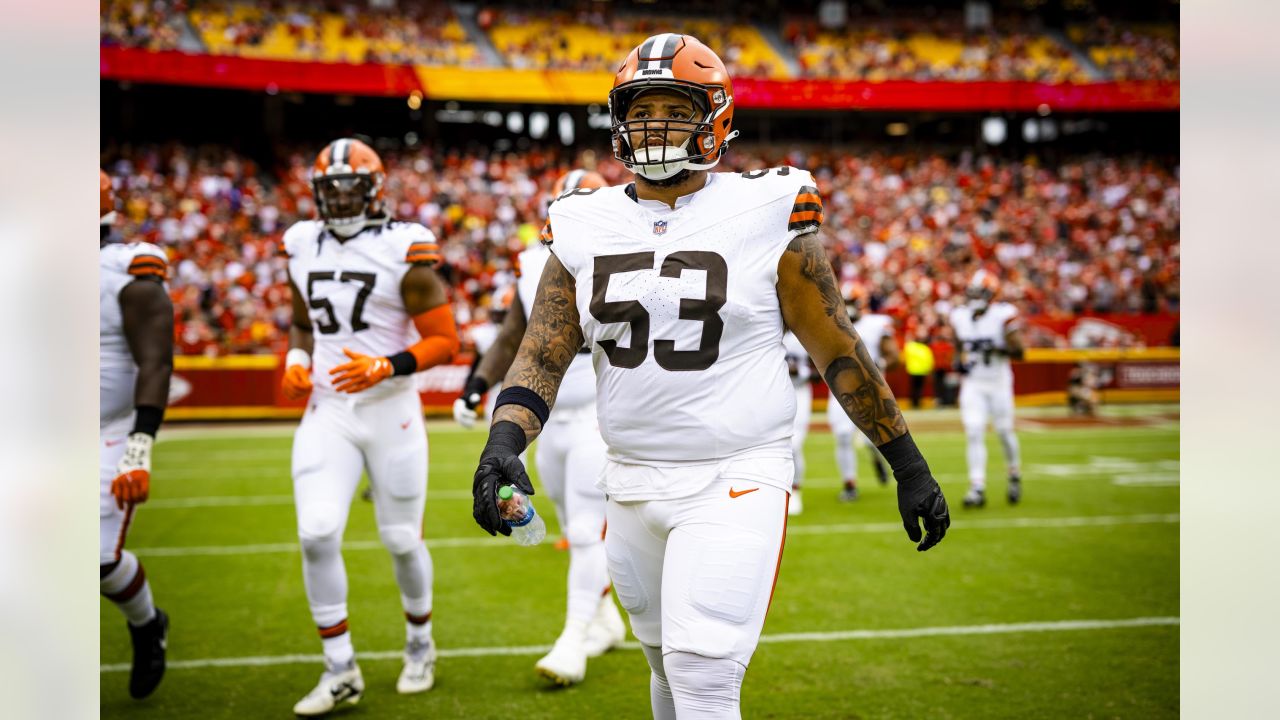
{"x":861,"y":626}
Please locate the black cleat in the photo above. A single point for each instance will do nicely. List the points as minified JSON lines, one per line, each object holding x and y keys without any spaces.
{"x":149,"y":642}
{"x":1015,"y":489}
{"x":975,"y":498}
{"x":881,"y":473}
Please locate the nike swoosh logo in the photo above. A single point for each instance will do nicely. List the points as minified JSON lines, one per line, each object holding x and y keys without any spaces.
{"x":342,"y":692}
{"x":405,"y":425}
{"x":739,"y":493}
{"x":112,"y":443}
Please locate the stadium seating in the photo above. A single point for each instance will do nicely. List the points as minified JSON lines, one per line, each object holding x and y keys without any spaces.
{"x":1097,"y":235}
{"x":1130,"y":52}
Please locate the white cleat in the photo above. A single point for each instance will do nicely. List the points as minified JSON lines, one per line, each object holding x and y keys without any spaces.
{"x":796,"y":506}
{"x":419,"y":673}
{"x":336,"y":687}
{"x":606,"y":630}
{"x":566,"y":664}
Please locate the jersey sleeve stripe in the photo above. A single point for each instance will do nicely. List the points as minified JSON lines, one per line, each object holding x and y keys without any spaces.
{"x":424,"y":246}
{"x":802,"y":207}
{"x":808,"y":195}
{"x":148,"y":265}
{"x":546,"y":237}
{"x":429,"y":258}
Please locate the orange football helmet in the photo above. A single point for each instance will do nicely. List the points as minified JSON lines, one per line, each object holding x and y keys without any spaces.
{"x":857,"y":298}
{"x":347,"y":181}
{"x":679,"y":63}
{"x":106,"y":199}
{"x":982,"y":290}
{"x":576,"y":179}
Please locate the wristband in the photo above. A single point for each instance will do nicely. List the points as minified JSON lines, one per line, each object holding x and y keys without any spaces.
{"x":147,"y":419}
{"x":403,"y":363}
{"x":298,"y":356}
{"x":476,"y":385}
{"x":525,"y":398}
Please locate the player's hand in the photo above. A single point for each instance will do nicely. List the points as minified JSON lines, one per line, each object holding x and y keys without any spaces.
{"x":464,"y":408}
{"x":296,"y":383}
{"x":499,"y":465}
{"x":464,"y":414}
{"x":920,"y":498}
{"x":361,"y":373}
{"x":132,"y":484}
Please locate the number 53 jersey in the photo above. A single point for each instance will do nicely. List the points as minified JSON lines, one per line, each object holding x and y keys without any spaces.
{"x":352,"y":292}
{"x":680,"y":310}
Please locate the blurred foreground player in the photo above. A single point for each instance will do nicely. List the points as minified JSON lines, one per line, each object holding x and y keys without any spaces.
{"x":681,"y":284}
{"x":570,"y":457}
{"x":362,"y":285}
{"x":135,"y":347}
{"x":987,"y":338}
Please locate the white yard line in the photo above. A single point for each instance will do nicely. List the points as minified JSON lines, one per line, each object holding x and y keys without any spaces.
{"x":781,"y":638}
{"x":481,"y":541}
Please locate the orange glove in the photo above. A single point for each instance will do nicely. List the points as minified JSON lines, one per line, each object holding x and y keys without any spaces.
{"x":362,"y":373}
{"x":296,"y":383}
{"x":133,"y":483}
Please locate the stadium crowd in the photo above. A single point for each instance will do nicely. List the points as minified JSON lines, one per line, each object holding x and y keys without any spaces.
{"x":1093,"y":235}
{"x":592,"y":37}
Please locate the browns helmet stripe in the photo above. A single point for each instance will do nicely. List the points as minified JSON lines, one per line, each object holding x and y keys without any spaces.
{"x":573,"y":179}
{"x":659,"y":51}
{"x":341,"y":153}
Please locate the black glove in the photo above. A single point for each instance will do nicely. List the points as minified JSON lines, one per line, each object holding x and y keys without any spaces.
{"x":499,"y":465}
{"x":475,"y":388}
{"x":919,"y":496}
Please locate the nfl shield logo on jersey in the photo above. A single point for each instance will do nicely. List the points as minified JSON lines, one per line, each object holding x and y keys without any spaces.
{"x":659,"y":227}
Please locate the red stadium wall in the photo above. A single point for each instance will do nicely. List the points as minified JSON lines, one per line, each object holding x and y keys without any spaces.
{"x":226,"y":71}
{"x":248,"y":387}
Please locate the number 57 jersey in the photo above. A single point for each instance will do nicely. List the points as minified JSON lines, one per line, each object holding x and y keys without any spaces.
{"x":352,"y":292}
{"x":680,"y":310}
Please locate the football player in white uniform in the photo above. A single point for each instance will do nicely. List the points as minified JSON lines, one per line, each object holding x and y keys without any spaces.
{"x":570,"y":458}
{"x":681,"y":285}
{"x":987,"y":338}
{"x":135,"y":348}
{"x":801,"y":379}
{"x":876,"y":331}
{"x":362,"y":284}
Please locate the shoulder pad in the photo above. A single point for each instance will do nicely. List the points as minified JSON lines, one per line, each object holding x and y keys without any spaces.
{"x":421,"y":247}
{"x":300,"y":233}
{"x":147,"y":260}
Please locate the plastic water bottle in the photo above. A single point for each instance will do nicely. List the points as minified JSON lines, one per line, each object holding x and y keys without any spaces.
{"x":527,"y":527}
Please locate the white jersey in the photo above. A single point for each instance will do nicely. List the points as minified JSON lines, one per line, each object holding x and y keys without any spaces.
{"x":578,"y":389}
{"x":680,"y":309}
{"x":797,"y":358}
{"x":977,"y":338}
{"x":119,"y":265}
{"x":352,"y":288}
{"x":873,"y":329}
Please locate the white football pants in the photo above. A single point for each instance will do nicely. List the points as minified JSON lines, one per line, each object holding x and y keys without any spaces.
{"x":339,"y":437}
{"x":979,"y":403}
{"x":570,"y":457}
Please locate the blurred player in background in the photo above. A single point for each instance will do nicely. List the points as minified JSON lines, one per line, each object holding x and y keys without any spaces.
{"x":1082,"y":390}
{"x":483,"y":335}
{"x":362,"y":284}
{"x":135,"y":348}
{"x":570,"y":458}
{"x":681,"y":283}
{"x":876,"y":331}
{"x":987,"y":338}
{"x":802,"y":381}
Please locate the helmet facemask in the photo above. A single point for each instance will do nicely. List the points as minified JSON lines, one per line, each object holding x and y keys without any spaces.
{"x":649,"y":153}
{"x":345,"y":200}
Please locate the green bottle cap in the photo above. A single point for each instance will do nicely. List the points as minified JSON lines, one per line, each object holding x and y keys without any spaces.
{"x":505,"y":492}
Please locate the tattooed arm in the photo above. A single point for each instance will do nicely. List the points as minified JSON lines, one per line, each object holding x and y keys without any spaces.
{"x":813,"y":309}
{"x":550,"y":343}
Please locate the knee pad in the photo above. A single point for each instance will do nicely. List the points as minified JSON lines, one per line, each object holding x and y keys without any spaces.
{"x":319,"y":522}
{"x":400,"y":539}
{"x":704,"y":686}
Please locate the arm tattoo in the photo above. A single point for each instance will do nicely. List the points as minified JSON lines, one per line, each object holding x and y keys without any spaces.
{"x":551,"y":342}
{"x":855,"y":381}
{"x":502,"y":353}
